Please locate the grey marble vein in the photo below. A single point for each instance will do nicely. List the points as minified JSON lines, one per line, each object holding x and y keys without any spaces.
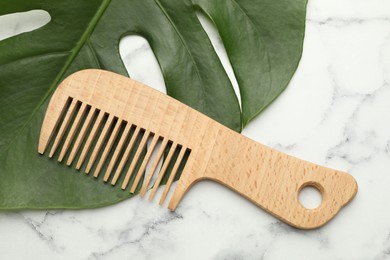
{"x":342,"y":22}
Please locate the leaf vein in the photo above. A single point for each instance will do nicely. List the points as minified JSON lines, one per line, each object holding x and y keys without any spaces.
{"x":264,"y":45}
{"x":73,"y":53}
{"x":187,"y":49}
{"x":95,"y":57}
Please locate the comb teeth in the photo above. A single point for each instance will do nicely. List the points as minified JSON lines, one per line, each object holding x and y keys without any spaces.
{"x":86,"y":134}
{"x":69,"y":114}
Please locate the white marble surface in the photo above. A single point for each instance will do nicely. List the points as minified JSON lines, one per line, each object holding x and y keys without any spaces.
{"x":335,"y":112}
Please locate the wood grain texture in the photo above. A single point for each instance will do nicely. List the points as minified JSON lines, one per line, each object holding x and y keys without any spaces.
{"x":270,"y":179}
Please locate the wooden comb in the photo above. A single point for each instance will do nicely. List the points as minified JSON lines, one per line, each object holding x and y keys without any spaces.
{"x":97,"y":117}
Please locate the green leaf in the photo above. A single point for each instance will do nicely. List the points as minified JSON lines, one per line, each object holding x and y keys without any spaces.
{"x":263,"y":40}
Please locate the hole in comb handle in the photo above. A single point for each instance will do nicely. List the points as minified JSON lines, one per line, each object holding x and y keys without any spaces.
{"x":310,"y":195}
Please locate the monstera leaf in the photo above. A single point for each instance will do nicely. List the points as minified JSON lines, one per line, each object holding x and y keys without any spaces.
{"x":263,"y":40}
